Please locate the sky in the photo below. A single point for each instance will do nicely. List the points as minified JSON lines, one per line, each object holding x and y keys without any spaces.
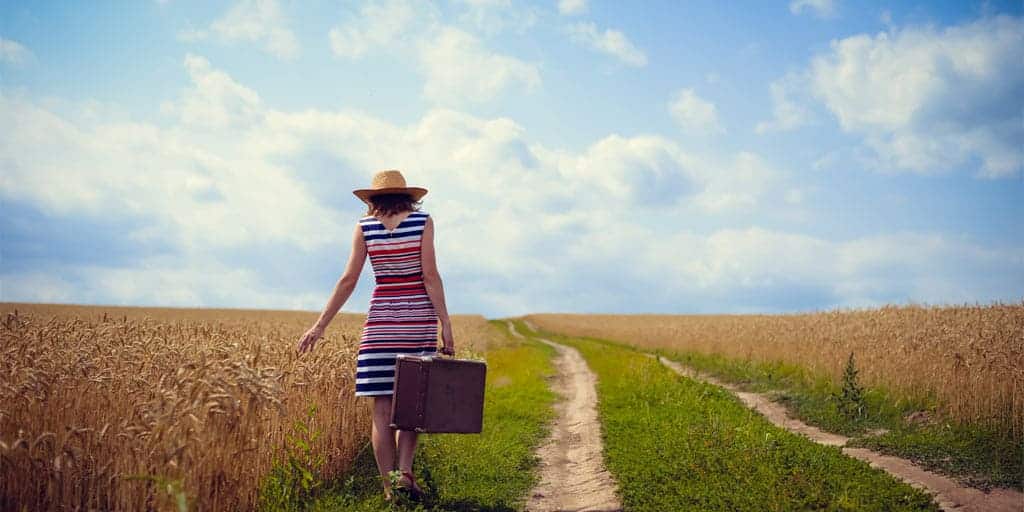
{"x":580,"y":156}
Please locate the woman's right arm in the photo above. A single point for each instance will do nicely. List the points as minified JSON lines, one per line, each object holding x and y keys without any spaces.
{"x":435,"y":289}
{"x":342,"y":290}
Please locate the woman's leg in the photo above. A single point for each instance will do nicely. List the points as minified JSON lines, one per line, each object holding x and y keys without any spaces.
{"x":406,"y":448}
{"x":383,"y":437}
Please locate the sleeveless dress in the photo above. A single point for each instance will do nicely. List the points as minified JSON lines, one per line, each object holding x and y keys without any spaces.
{"x":401,"y":319}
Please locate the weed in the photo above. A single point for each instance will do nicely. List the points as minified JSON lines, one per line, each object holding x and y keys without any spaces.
{"x":174,"y":488}
{"x":296,"y":477}
{"x":850,"y":399}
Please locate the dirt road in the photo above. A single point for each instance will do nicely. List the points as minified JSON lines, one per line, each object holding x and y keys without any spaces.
{"x":573,"y":476}
{"x":950,"y":495}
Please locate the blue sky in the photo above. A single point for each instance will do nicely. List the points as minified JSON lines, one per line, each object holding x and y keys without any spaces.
{"x":581,"y":156}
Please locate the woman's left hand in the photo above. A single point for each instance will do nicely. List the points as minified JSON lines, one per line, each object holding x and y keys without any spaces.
{"x":309,"y":339}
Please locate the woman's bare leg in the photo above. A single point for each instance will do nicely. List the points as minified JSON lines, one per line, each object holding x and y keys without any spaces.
{"x":383,"y":437}
{"x":406,"y":448}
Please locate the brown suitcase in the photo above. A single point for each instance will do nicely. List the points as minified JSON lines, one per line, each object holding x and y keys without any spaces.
{"x":438,"y":394}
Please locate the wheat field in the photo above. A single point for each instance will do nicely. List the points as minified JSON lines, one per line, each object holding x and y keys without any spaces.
{"x":968,"y":357}
{"x":101,"y":407}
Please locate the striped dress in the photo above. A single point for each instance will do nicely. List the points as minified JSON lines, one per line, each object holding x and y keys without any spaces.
{"x":401,"y":319}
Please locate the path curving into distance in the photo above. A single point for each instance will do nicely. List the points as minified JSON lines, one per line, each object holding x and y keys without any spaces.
{"x":572,"y":471}
{"x":950,"y":495}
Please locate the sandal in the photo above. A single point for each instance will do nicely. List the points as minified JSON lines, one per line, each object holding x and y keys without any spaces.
{"x":414,"y":490}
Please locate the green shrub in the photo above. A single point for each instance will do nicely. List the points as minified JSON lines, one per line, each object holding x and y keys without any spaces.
{"x":850,"y":399}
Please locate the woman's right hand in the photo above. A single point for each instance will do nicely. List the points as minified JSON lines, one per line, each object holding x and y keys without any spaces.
{"x":309,"y":339}
{"x":449,"y":343}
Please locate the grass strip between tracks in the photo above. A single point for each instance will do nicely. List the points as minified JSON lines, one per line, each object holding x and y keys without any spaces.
{"x":678,"y":444}
{"x":490,"y":471}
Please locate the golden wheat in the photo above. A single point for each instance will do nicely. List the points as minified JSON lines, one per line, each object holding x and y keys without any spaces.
{"x":91,"y":395}
{"x":969,"y":358}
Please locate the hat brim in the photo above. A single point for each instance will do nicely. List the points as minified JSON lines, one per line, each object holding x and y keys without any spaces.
{"x":366,"y":193}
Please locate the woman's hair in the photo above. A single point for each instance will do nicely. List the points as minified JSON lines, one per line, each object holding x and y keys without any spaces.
{"x":389,"y":204}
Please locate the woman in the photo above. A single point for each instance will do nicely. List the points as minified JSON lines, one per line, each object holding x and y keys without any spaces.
{"x":407,"y":302}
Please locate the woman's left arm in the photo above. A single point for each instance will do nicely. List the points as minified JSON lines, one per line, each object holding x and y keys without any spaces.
{"x":342,"y":290}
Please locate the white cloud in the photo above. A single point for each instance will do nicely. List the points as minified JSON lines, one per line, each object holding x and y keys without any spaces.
{"x":924,"y":267}
{"x":215,"y":100}
{"x":257,"y":21}
{"x":821,"y":8}
{"x":611,"y":42}
{"x":197,"y":189}
{"x":645,"y":169}
{"x":737,"y":184}
{"x":790,"y":98}
{"x":924,"y":100}
{"x":381,"y":24}
{"x":761,"y":270}
{"x":492,"y":17}
{"x":929,"y":101}
{"x":13,"y":52}
{"x":693,"y":113}
{"x":571,"y":7}
{"x":458,"y":68}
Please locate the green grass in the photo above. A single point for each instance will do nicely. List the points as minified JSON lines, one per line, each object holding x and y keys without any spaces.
{"x":673,"y":443}
{"x":489,"y":471}
{"x":977,"y":456}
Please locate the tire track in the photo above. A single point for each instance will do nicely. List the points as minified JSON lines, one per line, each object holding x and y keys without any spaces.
{"x":948,"y":494}
{"x":572,"y":471}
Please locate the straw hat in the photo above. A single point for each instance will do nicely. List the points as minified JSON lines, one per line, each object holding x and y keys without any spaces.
{"x":389,"y":182}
